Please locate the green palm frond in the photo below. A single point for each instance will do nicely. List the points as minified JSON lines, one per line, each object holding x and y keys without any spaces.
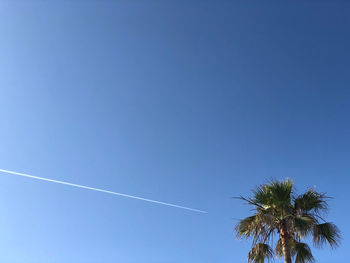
{"x":274,"y":194}
{"x":246,"y":227}
{"x":326,"y":233}
{"x":262,"y":195}
{"x":303,"y":253}
{"x":259,"y":253}
{"x":255,"y":226}
{"x":311,"y":201}
{"x":304,"y":225}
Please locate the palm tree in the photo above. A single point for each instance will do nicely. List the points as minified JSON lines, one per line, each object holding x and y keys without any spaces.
{"x":282,"y":216}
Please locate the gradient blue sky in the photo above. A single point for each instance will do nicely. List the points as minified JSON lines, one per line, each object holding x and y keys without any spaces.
{"x":182,"y":101}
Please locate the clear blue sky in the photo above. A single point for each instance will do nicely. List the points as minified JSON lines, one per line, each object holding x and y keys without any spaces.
{"x":182,"y":101}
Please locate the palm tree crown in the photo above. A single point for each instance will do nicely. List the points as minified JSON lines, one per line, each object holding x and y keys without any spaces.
{"x":288,"y":217}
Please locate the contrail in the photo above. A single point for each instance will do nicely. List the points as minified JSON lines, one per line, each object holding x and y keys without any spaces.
{"x":101,"y":190}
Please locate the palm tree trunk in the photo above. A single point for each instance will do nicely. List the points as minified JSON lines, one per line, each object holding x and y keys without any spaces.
{"x":286,"y":250}
{"x":284,"y":236}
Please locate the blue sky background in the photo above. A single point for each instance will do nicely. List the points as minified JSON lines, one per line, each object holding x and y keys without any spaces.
{"x":182,"y":101}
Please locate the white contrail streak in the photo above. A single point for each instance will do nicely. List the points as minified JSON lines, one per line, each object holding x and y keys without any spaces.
{"x":100,"y":190}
